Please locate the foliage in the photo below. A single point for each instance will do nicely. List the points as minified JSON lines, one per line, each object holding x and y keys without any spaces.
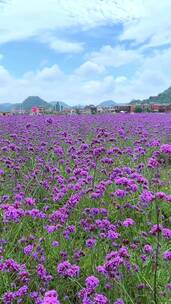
{"x":85,"y":209}
{"x":138,"y":109}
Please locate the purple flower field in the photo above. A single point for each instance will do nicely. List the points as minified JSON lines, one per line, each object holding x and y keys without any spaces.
{"x":85,"y":209}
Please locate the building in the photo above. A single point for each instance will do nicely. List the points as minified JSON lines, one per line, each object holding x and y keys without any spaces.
{"x":5,"y":113}
{"x":132,"y":108}
{"x":99,"y":109}
{"x":35,"y":110}
{"x":165,"y":108}
{"x":58,"y":107}
{"x":162,"y":108}
{"x":124,"y":108}
{"x":154,"y":107}
{"x":90,"y":109}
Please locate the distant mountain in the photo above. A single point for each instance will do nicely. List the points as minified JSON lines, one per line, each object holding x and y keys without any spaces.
{"x":61,"y":103}
{"x":34,"y":101}
{"x":78,"y":106}
{"x":8,"y":107}
{"x":5,"y":107}
{"x":162,"y":98}
{"x":107,"y":104}
{"x":135,"y":101}
{"x":28,"y":103}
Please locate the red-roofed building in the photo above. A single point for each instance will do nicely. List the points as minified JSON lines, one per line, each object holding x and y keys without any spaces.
{"x":35,"y":110}
{"x":155,"y":107}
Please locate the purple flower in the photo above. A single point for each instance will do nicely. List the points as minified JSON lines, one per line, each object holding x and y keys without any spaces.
{"x":55,"y":244}
{"x":119,"y":193}
{"x":148,"y":248}
{"x":73,"y":271}
{"x":166,"y":232}
{"x":156,"y":228}
{"x":146,"y":197}
{"x":100,"y":299}
{"x":152,"y":163}
{"x":112,"y":235}
{"x":123,"y":251}
{"x":65,"y":269}
{"x":92,"y":282}
{"x":167,"y":255}
{"x":166,"y":148}
{"x":144,"y":258}
{"x":28,"y":249}
{"x":8,"y":297}
{"x":30,"y":201}
{"x":128,"y":222}
{"x":169,"y":286}
{"x":43,"y":274}
{"x":119,"y":301}
{"x":101,"y":269}
{"x":1,"y":172}
{"x":49,"y":120}
{"x":22,"y":291}
{"x":161,"y":195}
{"x":51,"y":297}
{"x":90,"y":243}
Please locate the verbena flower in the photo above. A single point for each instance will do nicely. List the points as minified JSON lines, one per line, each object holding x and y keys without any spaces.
{"x":119,"y":301}
{"x":92,"y":282}
{"x":167,"y":255}
{"x":128,"y":222}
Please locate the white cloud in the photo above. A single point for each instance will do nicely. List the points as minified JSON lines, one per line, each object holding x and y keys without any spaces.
{"x":82,"y":86}
{"x":49,"y":73}
{"x":5,"y":77}
{"x":46,"y":74}
{"x":114,"y":56}
{"x":153,"y":26}
{"x":151,"y":78}
{"x":51,"y":84}
{"x":90,"y":69}
{"x":24,"y":19}
{"x":121,"y":79}
{"x":63,"y":46}
{"x":91,"y":81}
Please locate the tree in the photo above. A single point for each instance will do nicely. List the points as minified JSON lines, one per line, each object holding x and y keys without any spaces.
{"x":77,"y":110}
{"x":57,"y":107}
{"x":138,"y":109}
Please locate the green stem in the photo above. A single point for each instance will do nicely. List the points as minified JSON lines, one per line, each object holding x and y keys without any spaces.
{"x":156,"y":256}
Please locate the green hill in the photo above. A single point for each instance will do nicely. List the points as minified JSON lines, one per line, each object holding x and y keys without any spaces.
{"x":162,"y":98}
{"x":34,"y":101}
{"x":29,"y":102}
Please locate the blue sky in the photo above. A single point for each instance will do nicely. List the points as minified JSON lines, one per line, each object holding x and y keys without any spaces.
{"x":84,"y":51}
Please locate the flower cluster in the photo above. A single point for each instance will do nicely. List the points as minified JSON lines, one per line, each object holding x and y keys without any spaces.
{"x":85,"y":209}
